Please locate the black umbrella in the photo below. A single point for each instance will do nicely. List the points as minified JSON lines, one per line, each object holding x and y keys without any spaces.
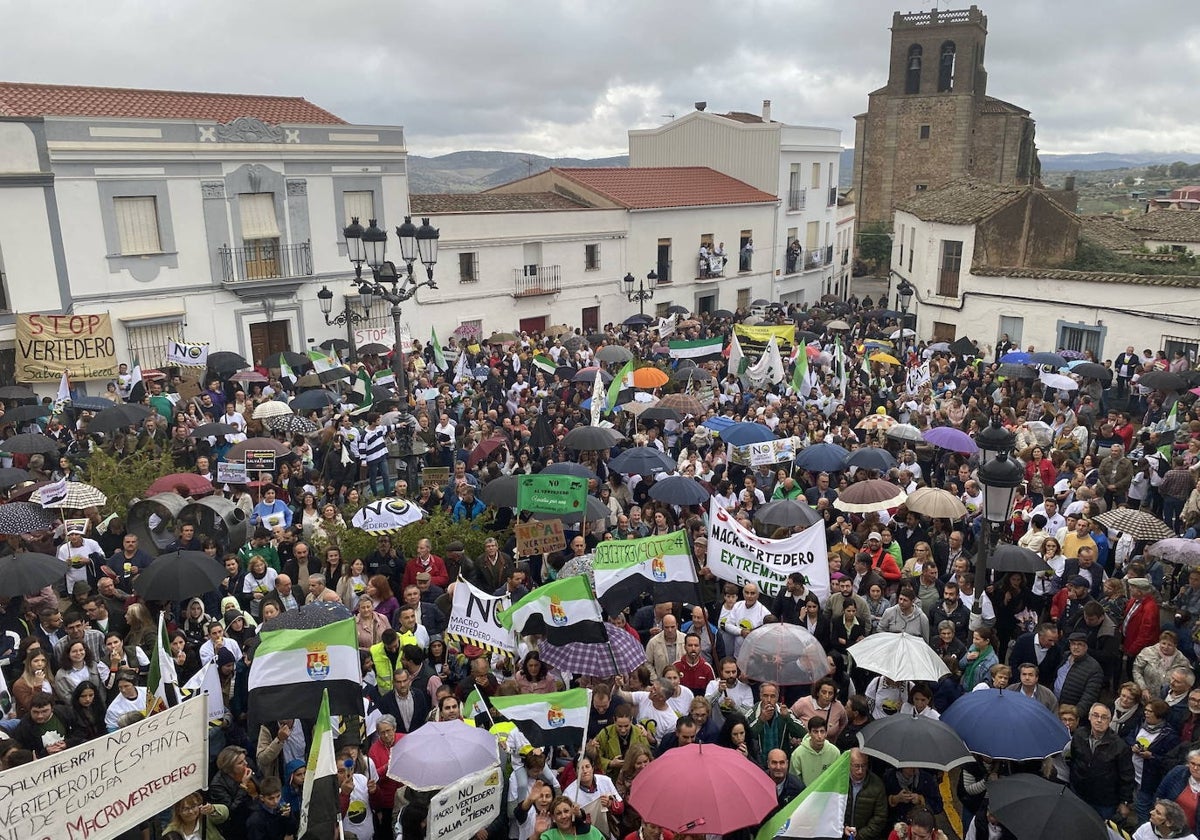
{"x":591,"y":438}
{"x":807,"y":336}
{"x":215,"y":429}
{"x":692,"y":372}
{"x":309,"y":617}
{"x":570,"y":468}
{"x":542,"y":434}
{"x":24,"y":413}
{"x":16,"y":392}
{"x":964,"y":347}
{"x":25,"y":518}
{"x":313,"y":400}
{"x":638,"y":321}
{"x":1014,"y":371}
{"x":564,"y":372}
{"x":11,"y":476}
{"x":500,"y":492}
{"x":336,"y":344}
{"x":295,"y":360}
{"x":722,"y":313}
{"x":760,"y":302}
{"x":27,"y":571}
{"x":677,"y":310}
{"x":786,"y":513}
{"x":225,"y":361}
{"x":1034,"y":808}
{"x":871,"y":458}
{"x":313,"y":380}
{"x":641,"y":460}
{"x":679,"y":490}
{"x":589,"y":375}
{"x":1046,"y":358}
{"x":1162,"y":380}
{"x":178,"y":576}
{"x":373,"y":348}
{"x":1091,"y":370}
{"x":907,"y":741}
{"x":117,"y":418}
{"x":660,"y":412}
{"x":90,"y":404}
{"x":1014,"y":558}
{"x":30,"y":445}
{"x":594,"y":510}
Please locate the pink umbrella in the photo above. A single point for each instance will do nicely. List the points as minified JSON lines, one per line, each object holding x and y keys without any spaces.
{"x":702,"y":789}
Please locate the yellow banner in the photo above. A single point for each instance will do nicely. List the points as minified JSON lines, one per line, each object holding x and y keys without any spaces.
{"x":81,"y":345}
{"x":785,"y":334}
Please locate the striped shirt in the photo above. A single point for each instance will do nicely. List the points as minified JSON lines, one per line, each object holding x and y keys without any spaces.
{"x":373,"y":444}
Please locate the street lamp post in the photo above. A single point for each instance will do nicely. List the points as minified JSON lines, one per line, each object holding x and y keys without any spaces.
{"x":347,"y":317}
{"x":369,"y":246}
{"x":1000,"y":476}
{"x":905,"y":293}
{"x":644,"y":291}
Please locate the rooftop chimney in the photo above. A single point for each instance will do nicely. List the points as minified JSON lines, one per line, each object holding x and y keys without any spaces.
{"x":1069,"y":184}
{"x":700,"y":106}
{"x":766,"y":116}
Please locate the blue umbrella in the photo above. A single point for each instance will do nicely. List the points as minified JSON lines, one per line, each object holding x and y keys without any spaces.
{"x":1044,"y":358}
{"x":641,"y":460}
{"x":1016,"y":357}
{"x":718,"y":424}
{"x":743,"y":434}
{"x":822,"y":457}
{"x":871,"y":458}
{"x":1006,"y":725}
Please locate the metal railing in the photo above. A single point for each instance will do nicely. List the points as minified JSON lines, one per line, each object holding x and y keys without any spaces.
{"x":815,"y":258}
{"x":832,"y":200}
{"x":663,"y":270}
{"x":797,"y":199}
{"x":265,"y":262}
{"x":538,"y":280}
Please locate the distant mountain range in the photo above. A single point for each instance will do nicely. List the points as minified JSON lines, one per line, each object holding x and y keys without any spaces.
{"x":475,"y":171}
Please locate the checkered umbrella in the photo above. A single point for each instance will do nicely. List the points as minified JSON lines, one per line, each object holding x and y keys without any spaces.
{"x":1139,"y":524}
{"x":270,"y":408}
{"x":622,"y":654}
{"x":78,"y":497}
{"x":290,"y":423}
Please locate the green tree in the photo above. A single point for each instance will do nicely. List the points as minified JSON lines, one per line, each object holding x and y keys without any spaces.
{"x":125,"y":479}
{"x":875,"y":244}
{"x":1129,"y":180}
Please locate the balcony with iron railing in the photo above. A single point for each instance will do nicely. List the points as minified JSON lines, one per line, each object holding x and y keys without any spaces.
{"x":265,"y":260}
{"x":797,"y":199}
{"x":814,"y":258}
{"x":533,"y":281}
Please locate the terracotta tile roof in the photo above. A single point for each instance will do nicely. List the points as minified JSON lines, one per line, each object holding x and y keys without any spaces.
{"x":1170,"y":225}
{"x":646,"y":187}
{"x":1178,"y":280}
{"x":489,"y":202}
{"x":992,"y":105}
{"x":32,"y":100}
{"x":744,"y":117}
{"x":961,"y":202}
{"x":1109,"y":232}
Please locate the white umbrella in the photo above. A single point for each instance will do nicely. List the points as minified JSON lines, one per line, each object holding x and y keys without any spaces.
{"x":386,"y":516}
{"x":441,"y":753}
{"x":902,"y":333}
{"x":905,"y":431}
{"x":898,"y":656}
{"x":270,"y":408}
{"x":1058,"y":382}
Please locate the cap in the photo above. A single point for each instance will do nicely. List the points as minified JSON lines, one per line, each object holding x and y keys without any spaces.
{"x":232,"y":616}
{"x":1080,"y":580}
{"x":1077,"y":637}
{"x":456,"y":545}
{"x":1139,"y":583}
{"x":423,"y":577}
{"x":81,"y":587}
{"x":837,"y":576}
{"x":875,"y":535}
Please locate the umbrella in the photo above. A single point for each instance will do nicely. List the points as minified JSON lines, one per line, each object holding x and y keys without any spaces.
{"x":18,"y":392}
{"x":440,"y":753}
{"x":786,"y":513}
{"x":23,"y":492}
{"x":466,"y":331}
{"x":117,"y":418}
{"x":1041,"y":432}
{"x":88,"y":403}
{"x":484,"y":449}
{"x":224,"y":361}
{"x":620,"y":655}
{"x":295,"y":360}
{"x":685,"y":403}
{"x":873,"y":422}
{"x":25,"y":413}
{"x":556,"y":330}
{"x":837,"y":325}
{"x":213,"y":430}
{"x":1044,"y":358}
{"x":637,"y":321}
{"x":1014,"y":371}
{"x":238,"y":451}
{"x":688,"y":372}
{"x":885,"y":358}
{"x":906,"y":432}
{"x":594,"y":510}
{"x":1139,"y":524}
{"x":500,"y":492}
{"x":179,"y":575}
{"x":871,"y":458}
{"x":1016,"y":357}
{"x":677,"y":310}
{"x":196,"y":485}
{"x":1006,"y":725}
{"x":386,"y":516}
{"x":636,"y":407}
{"x":27,"y":571}
{"x":948,"y":437}
{"x":641,"y":460}
{"x":899,"y":656}
{"x":373,"y":348}
{"x":869,"y":495}
{"x":784,"y":654}
{"x":316,"y":379}
{"x":1162,"y":380}
{"x":583,"y":565}
{"x":938,"y":347}
{"x":725,"y":792}
{"x":24,"y":518}
{"x":290,"y":423}
{"x":613,"y":354}
{"x":79,"y":496}
{"x":1034,"y":808}
{"x":270,"y":408}
{"x":760,"y":302}
{"x":588,"y":374}
{"x":1058,"y":382}
{"x":1174,"y":550}
{"x":902,"y":334}
{"x":963,"y":347}
{"x":936,"y":503}
{"x":590,"y":438}
{"x":247,"y":376}
{"x":337,"y":345}
{"x":914,"y":741}
{"x":660,"y":412}
{"x":722,"y":313}
{"x":1091,"y":370}
{"x":570,"y":468}
{"x":309,"y":616}
{"x":501,"y":338}
{"x":679,"y":490}
{"x":11,"y":477}
{"x":30,"y":445}
{"x":807,"y":336}
{"x":649,"y":377}
{"x":744,"y":434}
{"x":1013,"y":558}
{"x":822,"y":457}
{"x":315,"y":399}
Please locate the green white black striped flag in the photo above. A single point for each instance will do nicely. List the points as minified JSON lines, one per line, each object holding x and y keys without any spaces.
{"x":701,"y":348}
{"x":661,"y":564}
{"x":319,"y":808}
{"x":292,"y":668}
{"x":548,"y":720}
{"x":563,"y":611}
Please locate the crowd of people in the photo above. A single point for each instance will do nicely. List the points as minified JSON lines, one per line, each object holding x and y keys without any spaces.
{"x":1105,"y":639}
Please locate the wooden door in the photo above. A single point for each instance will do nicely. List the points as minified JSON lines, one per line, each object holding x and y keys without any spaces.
{"x":262,"y":259}
{"x":532,"y":325}
{"x":269,"y":337}
{"x":590,"y":319}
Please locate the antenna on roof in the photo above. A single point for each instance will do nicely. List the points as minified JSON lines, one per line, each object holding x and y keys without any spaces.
{"x":528,"y":161}
{"x":667,"y":116}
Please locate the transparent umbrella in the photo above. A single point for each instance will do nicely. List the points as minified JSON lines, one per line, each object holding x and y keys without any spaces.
{"x":784,"y":654}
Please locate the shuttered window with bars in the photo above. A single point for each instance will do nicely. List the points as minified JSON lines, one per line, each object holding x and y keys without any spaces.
{"x":359,"y":204}
{"x":258,"y":216}
{"x":148,"y":340}
{"x":137,"y":224}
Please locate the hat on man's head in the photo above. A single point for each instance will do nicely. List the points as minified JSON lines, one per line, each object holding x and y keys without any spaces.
{"x":456,"y":545}
{"x":838,"y":576}
{"x":1080,"y":580}
{"x":225,"y":657}
{"x":232,"y":616}
{"x":1077,"y":636}
{"x":1139,"y":583}
{"x":874,"y":535}
{"x":423,"y":577}
{"x":81,"y":587}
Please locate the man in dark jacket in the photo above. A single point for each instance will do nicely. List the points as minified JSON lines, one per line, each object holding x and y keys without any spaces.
{"x":409,"y":708}
{"x":787,"y":785}
{"x":866,"y":806}
{"x":1079,"y":678}
{"x":1041,"y":646}
{"x":952,"y":609}
{"x":1102,"y":766}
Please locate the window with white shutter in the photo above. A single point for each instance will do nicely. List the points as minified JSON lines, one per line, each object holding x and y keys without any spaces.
{"x":359,"y":204}
{"x":258,"y":216}
{"x":137,"y":224}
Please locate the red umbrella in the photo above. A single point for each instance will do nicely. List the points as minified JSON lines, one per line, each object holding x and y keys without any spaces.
{"x":723,"y":791}
{"x":197,"y":485}
{"x":483,"y":450}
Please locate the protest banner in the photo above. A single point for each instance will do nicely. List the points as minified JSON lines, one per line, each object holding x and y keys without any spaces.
{"x":551,"y":493}
{"x":48,"y":345}
{"x":374,"y":335}
{"x":231,"y":472}
{"x":785,"y":335}
{"x":473,"y":620}
{"x":109,"y":784}
{"x":767,"y":452}
{"x":260,"y":460}
{"x":52,"y":494}
{"x":534,"y":537}
{"x":741,"y":556}
{"x":436,"y":476}
{"x":187,"y":354}
{"x":466,"y":806}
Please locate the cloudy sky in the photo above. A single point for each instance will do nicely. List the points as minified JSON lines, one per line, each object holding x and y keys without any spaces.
{"x":567,"y":77}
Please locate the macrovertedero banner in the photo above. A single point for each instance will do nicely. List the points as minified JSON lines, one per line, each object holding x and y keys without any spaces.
{"x":741,"y":556}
